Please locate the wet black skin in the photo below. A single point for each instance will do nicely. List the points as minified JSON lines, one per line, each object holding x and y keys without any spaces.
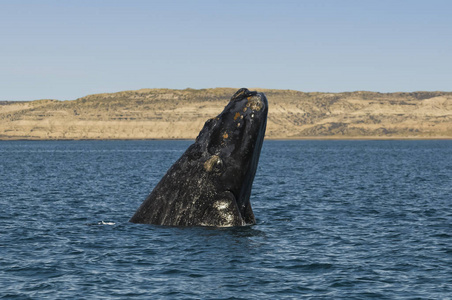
{"x":210,"y":184}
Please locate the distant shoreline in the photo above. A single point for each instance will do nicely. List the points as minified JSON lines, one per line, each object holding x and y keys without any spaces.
{"x":164,"y":114}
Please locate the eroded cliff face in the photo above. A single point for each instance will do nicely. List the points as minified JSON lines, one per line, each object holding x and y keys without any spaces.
{"x":180,"y":114}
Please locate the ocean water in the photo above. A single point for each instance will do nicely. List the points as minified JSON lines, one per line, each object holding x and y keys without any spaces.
{"x":335,"y":220}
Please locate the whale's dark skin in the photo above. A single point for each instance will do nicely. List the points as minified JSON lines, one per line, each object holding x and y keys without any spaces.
{"x":210,"y":184}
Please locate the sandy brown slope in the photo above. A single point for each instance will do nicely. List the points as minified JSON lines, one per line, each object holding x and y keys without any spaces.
{"x":169,"y":114}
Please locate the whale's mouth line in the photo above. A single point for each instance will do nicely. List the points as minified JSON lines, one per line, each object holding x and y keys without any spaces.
{"x":243,"y":189}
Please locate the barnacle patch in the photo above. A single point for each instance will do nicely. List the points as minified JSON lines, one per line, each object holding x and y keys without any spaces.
{"x":255,"y":103}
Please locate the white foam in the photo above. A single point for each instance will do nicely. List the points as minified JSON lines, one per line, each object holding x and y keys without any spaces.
{"x":106,"y":223}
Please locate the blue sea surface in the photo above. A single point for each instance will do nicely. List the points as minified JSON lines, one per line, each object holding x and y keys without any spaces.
{"x":335,"y":220}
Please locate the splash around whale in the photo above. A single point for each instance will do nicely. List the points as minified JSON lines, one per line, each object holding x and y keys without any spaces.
{"x":210,"y":184}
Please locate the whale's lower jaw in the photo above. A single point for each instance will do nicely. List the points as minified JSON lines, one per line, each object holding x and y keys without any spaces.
{"x":210,"y":184}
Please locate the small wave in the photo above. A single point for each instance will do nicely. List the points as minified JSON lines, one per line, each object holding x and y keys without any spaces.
{"x":101,"y":223}
{"x":106,"y":223}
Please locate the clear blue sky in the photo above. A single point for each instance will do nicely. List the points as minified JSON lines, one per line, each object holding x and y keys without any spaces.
{"x":68,"y":49}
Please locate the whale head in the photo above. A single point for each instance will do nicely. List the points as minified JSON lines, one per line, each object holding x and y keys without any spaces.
{"x":210,"y":184}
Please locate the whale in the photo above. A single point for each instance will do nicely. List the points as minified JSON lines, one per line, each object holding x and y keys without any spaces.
{"x":211,"y":183}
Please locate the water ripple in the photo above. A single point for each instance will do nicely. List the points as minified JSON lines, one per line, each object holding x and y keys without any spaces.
{"x":335,"y":220}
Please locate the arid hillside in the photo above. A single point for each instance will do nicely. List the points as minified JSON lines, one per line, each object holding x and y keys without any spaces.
{"x":180,"y":114}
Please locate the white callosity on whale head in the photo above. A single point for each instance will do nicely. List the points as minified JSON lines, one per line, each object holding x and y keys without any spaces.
{"x":255,"y":102}
{"x":220,"y":205}
{"x":213,"y":162}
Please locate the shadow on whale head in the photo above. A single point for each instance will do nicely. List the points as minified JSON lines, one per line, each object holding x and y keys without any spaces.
{"x":210,"y":185}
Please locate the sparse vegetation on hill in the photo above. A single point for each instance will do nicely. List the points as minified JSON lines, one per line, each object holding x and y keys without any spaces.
{"x":180,"y":114}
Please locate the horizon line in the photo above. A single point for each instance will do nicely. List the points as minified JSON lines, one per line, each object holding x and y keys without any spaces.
{"x":253,"y":88}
